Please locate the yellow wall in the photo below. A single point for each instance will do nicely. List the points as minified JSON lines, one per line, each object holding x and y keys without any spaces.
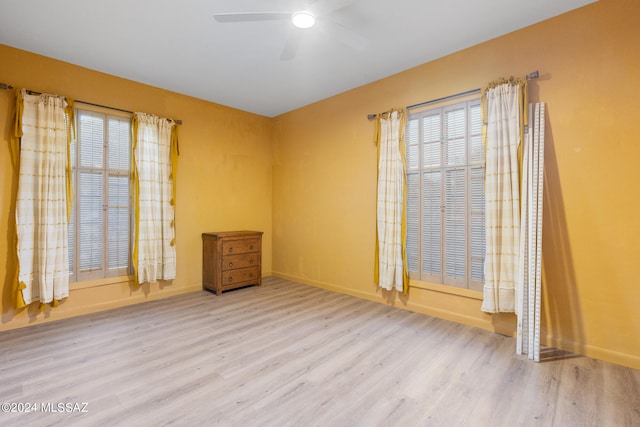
{"x":224,"y":177}
{"x":324,"y":178}
{"x":307,"y":178}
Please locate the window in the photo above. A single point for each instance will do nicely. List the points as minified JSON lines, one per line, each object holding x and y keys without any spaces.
{"x":445,"y":204}
{"x":100,"y":226}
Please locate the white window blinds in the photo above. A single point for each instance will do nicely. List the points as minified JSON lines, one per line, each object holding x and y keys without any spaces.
{"x":445,"y":204}
{"x":99,"y":233}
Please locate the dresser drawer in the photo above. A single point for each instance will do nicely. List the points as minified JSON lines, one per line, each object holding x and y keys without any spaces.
{"x":232,"y":262}
{"x":230,"y":247}
{"x":232,"y":277}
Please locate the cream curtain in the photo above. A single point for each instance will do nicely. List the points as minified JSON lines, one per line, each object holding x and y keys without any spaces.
{"x":390,"y":262}
{"x":42,"y":209}
{"x":502,"y":194}
{"x":154,"y":160}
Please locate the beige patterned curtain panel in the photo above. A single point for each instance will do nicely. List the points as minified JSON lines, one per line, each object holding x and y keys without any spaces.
{"x":503,"y":108}
{"x":154,"y":171}
{"x":44,"y":131}
{"x":390,"y":271}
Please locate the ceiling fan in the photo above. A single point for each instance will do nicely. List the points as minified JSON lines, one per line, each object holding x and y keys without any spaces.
{"x":315,"y":15}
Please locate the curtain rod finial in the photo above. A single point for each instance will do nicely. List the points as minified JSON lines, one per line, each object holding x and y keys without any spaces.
{"x":533,"y":75}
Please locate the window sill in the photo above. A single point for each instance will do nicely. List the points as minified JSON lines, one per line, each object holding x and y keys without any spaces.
{"x":100,"y":282}
{"x":446,"y":289}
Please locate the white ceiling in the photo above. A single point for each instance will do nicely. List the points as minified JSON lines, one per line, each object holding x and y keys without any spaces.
{"x":180,"y":47}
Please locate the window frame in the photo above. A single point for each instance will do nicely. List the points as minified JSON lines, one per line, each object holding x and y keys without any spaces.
{"x":103,"y":272}
{"x":417,"y":170}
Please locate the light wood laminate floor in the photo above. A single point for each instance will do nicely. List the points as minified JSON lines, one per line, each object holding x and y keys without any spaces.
{"x":287,"y":354}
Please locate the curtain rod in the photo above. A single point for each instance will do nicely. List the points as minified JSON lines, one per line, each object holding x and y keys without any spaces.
{"x":530,"y":76}
{"x":32,"y":92}
{"x":433,"y":101}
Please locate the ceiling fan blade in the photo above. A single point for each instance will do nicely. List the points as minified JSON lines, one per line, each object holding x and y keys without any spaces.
{"x":343,"y":35}
{"x":251,"y":16}
{"x":292,"y":45}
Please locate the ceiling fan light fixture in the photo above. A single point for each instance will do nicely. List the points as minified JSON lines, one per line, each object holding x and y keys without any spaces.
{"x":303,"y":19}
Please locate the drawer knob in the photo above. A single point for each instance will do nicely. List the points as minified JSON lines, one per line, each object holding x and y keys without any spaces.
{"x":250,"y":260}
{"x":231,"y":249}
{"x":230,"y":279}
{"x":230,"y":264}
{"x":251,"y":247}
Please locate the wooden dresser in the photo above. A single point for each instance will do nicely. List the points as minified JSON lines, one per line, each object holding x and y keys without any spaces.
{"x":231,"y":259}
